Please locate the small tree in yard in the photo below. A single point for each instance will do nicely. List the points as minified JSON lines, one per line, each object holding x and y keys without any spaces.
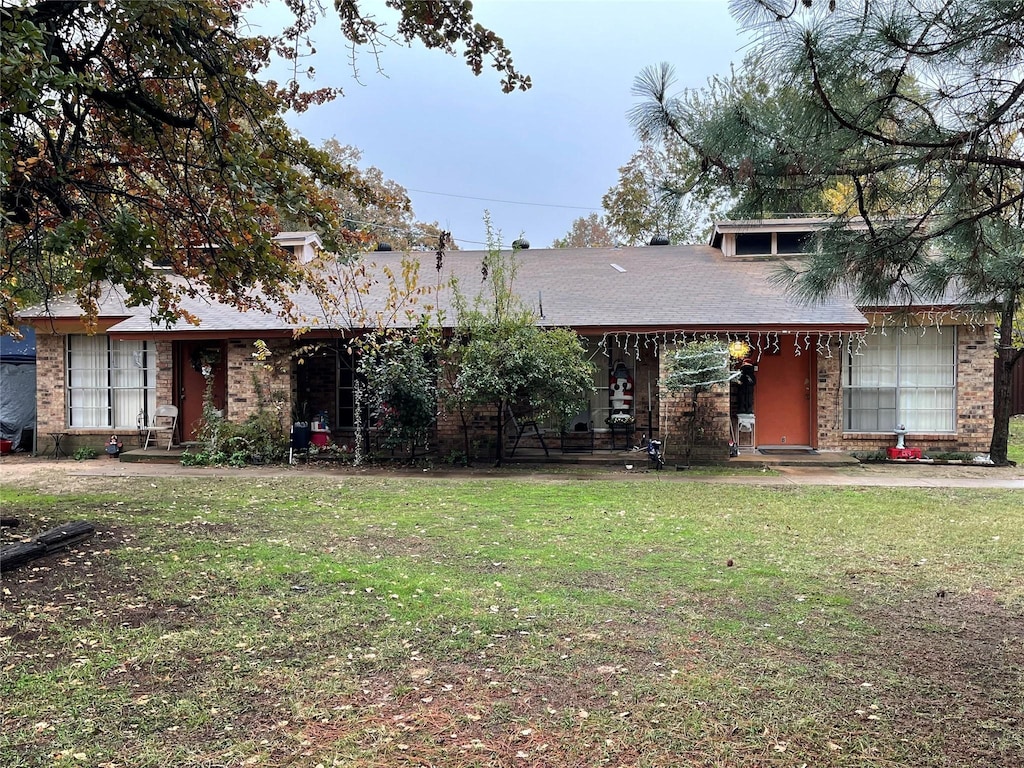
{"x":401,"y":372}
{"x":499,"y":357}
{"x":698,"y":366}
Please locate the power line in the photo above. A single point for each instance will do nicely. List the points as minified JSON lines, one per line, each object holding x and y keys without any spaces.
{"x":506,"y":202}
{"x":411,"y":231}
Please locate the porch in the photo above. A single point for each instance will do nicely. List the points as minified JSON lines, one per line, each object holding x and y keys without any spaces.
{"x":755,"y":459}
{"x":598,"y":458}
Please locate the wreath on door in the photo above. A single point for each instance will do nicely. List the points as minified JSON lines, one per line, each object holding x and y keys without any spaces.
{"x":205,"y":359}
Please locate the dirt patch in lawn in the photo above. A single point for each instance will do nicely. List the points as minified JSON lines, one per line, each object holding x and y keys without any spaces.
{"x":955,"y":671}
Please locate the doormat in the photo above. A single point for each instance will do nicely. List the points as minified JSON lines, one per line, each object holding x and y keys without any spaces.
{"x":773,"y":450}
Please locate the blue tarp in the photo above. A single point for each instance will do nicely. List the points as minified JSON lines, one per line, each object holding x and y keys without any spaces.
{"x":19,"y":350}
{"x":17,"y":387}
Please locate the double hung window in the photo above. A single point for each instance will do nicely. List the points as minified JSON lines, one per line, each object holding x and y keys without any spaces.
{"x":109,"y":382}
{"x":905,"y":377}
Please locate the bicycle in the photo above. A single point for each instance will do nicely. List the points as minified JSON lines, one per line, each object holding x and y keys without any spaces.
{"x":655,"y":455}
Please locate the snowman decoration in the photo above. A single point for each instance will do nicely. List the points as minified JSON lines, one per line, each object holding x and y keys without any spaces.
{"x":621,"y":394}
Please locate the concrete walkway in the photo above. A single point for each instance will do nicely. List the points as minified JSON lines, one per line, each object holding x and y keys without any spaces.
{"x":15,"y":468}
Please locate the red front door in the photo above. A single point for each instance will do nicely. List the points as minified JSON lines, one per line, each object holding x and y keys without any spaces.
{"x":190,"y":359}
{"x":782,"y":397}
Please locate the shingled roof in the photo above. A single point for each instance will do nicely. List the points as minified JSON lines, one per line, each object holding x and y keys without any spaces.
{"x":656,"y":288}
{"x":595,"y":290}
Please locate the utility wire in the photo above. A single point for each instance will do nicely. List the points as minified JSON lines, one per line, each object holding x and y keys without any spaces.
{"x":409,"y":231}
{"x":507,"y":202}
{"x":403,"y":230}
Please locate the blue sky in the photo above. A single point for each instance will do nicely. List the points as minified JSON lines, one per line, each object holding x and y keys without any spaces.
{"x":534,"y":160}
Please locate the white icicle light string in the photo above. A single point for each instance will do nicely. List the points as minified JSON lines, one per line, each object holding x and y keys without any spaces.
{"x":632,"y":343}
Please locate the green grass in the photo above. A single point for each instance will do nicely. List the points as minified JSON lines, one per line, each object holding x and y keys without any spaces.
{"x":379,"y":621}
{"x":1015,"y":451}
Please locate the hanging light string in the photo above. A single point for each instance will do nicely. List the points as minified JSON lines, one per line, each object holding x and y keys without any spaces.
{"x":825,"y":343}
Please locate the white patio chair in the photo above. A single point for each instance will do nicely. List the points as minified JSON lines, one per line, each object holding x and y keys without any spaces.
{"x":165,"y":420}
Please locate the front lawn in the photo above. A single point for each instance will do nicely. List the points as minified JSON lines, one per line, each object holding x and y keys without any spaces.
{"x":380,"y":621}
{"x":1015,"y":451}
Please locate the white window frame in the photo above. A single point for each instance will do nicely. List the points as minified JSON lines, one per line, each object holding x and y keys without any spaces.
{"x":108,"y":382}
{"x":908,"y":388}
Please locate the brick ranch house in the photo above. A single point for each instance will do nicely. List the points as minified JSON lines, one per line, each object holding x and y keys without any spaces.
{"x":830,"y":376}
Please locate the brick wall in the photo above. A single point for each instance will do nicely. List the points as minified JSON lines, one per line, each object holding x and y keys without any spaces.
{"x":253,"y":384}
{"x":975,"y":351}
{"x":674,"y":429}
{"x":829,"y":396}
{"x":165,"y":373}
{"x":50,"y":391}
{"x":483,"y":426}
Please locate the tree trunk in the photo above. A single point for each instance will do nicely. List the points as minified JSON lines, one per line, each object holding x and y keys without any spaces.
{"x":465,"y":435}
{"x":55,"y":539}
{"x":501,"y":433}
{"x":1002,"y":405}
{"x":16,"y":555}
{"x":691,"y":427}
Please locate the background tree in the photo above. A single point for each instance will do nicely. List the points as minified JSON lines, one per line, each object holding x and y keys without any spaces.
{"x":587,"y":232}
{"x":137,"y":131}
{"x":915,"y":110}
{"x":386,"y":215}
{"x":657,"y":194}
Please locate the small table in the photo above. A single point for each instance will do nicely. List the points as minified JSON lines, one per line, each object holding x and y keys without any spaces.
{"x":623,"y":429}
{"x":57,"y":450}
{"x":745,"y":426}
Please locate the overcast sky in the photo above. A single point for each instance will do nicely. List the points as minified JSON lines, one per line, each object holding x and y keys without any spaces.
{"x":536,"y":159}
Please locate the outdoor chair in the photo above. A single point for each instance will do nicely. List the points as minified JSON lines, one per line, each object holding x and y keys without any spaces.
{"x":578,"y":437}
{"x":520,"y":426}
{"x":165,"y":421}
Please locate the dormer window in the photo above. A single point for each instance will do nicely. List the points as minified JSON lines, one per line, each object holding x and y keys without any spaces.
{"x":753,"y":243}
{"x":766,"y":238}
{"x":304,"y":246}
{"x":787,"y":243}
{"x":772,"y":243}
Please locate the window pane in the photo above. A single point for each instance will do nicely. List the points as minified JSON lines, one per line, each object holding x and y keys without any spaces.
{"x":794,"y":242}
{"x":926,"y":359}
{"x":754,"y":243}
{"x":870,"y":410}
{"x":904,"y":378}
{"x":108,"y":382}
{"x":130,"y":377}
{"x":88,"y":405}
{"x":927,"y":409}
{"x":874,"y":364}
